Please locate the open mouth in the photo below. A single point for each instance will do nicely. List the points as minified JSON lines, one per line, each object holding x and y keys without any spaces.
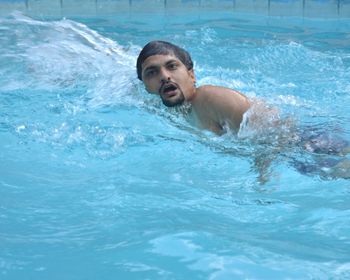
{"x":169,"y":89}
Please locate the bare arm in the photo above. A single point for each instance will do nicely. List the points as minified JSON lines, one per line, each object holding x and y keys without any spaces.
{"x":220,"y":106}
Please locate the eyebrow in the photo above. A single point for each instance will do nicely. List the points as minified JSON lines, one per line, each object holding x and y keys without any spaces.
{"x":172,"y":61}
{"x":152,"y":67}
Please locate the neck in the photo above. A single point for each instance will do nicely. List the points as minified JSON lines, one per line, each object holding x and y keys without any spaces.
{"x":193,"y":96}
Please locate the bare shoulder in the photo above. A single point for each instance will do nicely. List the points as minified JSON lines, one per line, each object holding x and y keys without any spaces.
{"x":220,"y":105}
{"x":209,"y":89}
{"x":218,"y":92}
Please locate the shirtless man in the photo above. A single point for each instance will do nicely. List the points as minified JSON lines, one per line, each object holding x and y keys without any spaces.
{"x":167,"y":70}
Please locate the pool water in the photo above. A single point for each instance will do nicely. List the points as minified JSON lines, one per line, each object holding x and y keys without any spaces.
{"x":100,"y":181}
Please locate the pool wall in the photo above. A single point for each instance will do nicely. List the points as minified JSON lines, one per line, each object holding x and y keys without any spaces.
{"x":300,"y":8}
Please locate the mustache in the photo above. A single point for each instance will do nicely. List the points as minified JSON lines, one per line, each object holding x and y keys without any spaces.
{"x":167,"y":83}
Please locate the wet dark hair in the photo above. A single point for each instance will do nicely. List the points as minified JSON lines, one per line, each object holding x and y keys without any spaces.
{"x":164,"y":48}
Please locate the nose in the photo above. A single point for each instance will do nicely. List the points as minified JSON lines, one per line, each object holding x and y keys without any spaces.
{"x":164,"y":76}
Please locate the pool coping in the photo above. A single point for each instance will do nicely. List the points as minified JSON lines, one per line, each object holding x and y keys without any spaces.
{"x":92,"y":8}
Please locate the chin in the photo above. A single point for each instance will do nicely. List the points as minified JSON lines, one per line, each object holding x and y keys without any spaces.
{"x":173,"y":104}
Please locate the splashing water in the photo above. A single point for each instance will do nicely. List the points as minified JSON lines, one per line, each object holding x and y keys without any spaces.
{"x":99,"y":179}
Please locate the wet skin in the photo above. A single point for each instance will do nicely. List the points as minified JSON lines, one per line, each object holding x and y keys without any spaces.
{"x":167,"y":76}
{"x":214,"y":107}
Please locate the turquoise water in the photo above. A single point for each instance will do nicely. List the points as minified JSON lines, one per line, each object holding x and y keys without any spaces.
{"x":98,"y":180}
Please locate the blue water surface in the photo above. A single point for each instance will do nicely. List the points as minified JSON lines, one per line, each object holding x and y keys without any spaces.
{"x":98,"y":180}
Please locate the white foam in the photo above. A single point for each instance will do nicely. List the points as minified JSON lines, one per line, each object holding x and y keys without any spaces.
{"x":66,"y":54}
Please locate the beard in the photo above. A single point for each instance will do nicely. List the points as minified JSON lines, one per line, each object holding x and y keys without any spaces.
{"x":174,"y":101}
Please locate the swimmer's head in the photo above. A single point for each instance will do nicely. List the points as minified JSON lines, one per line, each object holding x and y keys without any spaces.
{"x":162,"y":48}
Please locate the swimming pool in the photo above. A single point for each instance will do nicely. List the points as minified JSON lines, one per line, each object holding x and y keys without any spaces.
{"x":100,"y":181}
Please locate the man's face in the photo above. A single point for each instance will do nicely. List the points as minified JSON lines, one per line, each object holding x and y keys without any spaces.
{"x":167,"y":76}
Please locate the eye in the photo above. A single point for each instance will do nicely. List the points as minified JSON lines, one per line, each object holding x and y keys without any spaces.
{"x":172,"y":66}
{"x":150,"y":73}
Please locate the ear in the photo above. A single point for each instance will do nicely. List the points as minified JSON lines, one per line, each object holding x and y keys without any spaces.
{"x":192,"y":75}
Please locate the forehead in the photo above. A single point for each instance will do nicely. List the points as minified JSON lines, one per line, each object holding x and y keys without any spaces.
{"x":158,"y":60}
